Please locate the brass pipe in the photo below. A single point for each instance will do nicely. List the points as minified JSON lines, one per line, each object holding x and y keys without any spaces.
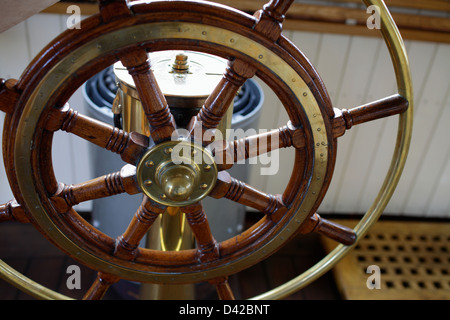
{"x":170,"y":232}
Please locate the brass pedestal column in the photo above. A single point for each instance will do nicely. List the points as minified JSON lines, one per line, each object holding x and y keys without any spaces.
{"x":170,"y":232}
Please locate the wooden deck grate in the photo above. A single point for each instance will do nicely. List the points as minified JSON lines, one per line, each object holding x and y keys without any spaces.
{"x":413,"y":260}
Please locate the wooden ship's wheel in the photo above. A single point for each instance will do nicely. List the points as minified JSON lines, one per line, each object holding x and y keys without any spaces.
{"x":35,"y":107}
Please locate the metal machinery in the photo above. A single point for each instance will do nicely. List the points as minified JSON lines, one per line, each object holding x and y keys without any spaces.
{"x":35,"y":107}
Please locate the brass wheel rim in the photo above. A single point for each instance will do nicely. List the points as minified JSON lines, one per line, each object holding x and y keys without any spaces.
{"x":171,"y":30}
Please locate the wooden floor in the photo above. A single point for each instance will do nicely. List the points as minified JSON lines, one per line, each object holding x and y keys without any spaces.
{"x":412,"y":259}
{"x":26,"y":250}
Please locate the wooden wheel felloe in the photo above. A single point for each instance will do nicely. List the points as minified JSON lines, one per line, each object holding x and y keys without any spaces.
{"x":254,"y":46}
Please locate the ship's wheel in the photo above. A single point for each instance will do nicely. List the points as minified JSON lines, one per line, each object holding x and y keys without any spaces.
{"x":35,"y":107}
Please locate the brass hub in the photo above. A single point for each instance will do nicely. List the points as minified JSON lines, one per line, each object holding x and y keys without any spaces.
{"x":176,"y":173}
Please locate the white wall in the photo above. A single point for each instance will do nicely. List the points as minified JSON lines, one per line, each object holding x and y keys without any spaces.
{"x":355,"y":70}
{"x":18,"y":46}
{"x":358,"y":70}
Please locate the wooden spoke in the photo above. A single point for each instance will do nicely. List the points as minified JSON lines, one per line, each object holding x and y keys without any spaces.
{"x":8,"y":95}
{"x":220,"y":99}
{"x":329,"y":229}
{"x":278,"y":8}
{"x":207,"y":245}
{"x":345,"y":119}
{"x":271,"y":17}
{"x":227,"y":153}
{"x":235,"y":190}
{"x":128,"y":145}
{"x":12,"y":211}
{"x":127,"y":243}
{"x":100,"y":286}
{"x":155,"y":106}
{"x":223,"y":288}
{"x":110,"y":10}
{"x":105,"y":186}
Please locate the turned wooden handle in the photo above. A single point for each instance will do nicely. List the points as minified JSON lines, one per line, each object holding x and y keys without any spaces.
{"x":8,"y":95}
{"x":228,"y":187}
{"x":271,"y":17}
{"x":386,"y":107}
{"x":278,"y":8}
{"x":208,"y":248}
{"x":127,"y":243}
{"x":220,"y":99}
{"x":129,"y":146}
{"x":227,"y":153}
{"x":389,"y":106}
{"x":154,"y":103}
{"x":223,"y":288}
{"x":100,"y":286}
{"x":12,"y":211}
{"x":333,"y":230}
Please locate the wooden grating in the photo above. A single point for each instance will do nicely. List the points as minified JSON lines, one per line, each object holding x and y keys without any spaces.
{"x":413,"y":260}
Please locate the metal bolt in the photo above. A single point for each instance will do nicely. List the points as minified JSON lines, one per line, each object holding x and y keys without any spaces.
{"x":148,"y":183}
{"x":149,"y":163}
{"x":181,"y":64}
{"x":203,"y":186}
{"x":163,"y":197}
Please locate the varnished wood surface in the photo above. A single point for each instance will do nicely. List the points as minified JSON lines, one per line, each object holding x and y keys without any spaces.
{"x":38,"y":259}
